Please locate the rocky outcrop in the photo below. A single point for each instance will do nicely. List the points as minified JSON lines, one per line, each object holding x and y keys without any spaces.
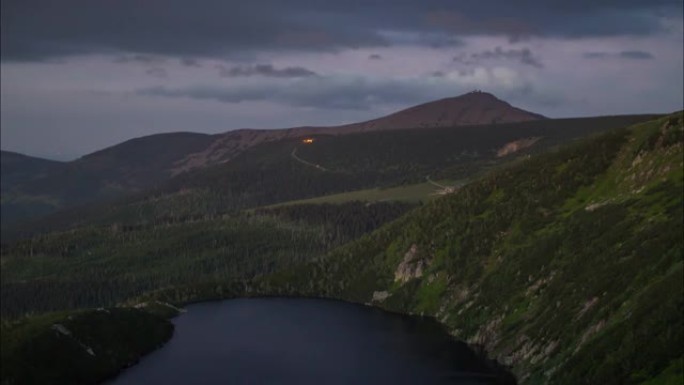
{"x":379,"y":296}
{"x":515,"y":146}
{"x":411,"y":266}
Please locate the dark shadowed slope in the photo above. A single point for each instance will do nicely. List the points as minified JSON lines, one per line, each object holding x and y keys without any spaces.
{"x":17,"y":167}
{"x":17,"y":170}
{"x":33,"y":187}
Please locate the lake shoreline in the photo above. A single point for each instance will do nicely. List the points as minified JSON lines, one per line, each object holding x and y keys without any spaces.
{"x":502,"y":372}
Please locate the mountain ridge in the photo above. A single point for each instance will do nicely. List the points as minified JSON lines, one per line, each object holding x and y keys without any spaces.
{"x":144,"y":162}
{"x":470,"y":109}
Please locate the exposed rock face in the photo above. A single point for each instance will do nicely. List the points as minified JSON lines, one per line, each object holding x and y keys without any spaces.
{"x":379,"y":296}
{"x":411,"y":266}
{"x":516,"y":145}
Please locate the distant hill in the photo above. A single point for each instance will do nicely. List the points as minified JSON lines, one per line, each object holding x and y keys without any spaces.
{"x":17,"y":170}
{"x":33,"y":187}
{"x":285,"y":170}
{"x":474,"y":108}
{"x":17,"y":167}
{"x":141,"y":163}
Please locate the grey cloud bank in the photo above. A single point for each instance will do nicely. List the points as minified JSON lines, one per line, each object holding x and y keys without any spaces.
{"x":635,"y":55}
{"x":522,"y":55}
{"x":41,"y":29}
{"x":264,"y":70}
{"x":77,"y":75}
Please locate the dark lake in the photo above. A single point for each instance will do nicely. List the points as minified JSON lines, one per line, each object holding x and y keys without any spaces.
{"x":306,"y":341}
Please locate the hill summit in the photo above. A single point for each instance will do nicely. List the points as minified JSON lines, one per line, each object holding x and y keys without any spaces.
{"x":474,"y":108}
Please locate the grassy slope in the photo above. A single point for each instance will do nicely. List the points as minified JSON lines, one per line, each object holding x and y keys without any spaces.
{"x":414,"y":193}
{"x":567,"y":267}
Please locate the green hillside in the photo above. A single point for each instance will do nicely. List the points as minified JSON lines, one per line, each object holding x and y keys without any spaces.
{"x":104,"y":265}
{"x":411,"y":193}
{"x":567,"y":267}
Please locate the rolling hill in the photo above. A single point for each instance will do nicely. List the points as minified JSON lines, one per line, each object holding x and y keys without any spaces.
{"x":142,"y":163}
{"x":285,"y":170}
{"x":113,"y":172}
{"x":19,"y":170}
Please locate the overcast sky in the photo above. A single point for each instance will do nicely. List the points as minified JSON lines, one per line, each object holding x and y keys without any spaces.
{"x":80,"y":75}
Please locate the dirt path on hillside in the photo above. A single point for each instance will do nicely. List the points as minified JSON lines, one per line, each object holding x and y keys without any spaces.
{"x":432,"y":182}
{"x":300,"y":160}
{"x":443,"y":190}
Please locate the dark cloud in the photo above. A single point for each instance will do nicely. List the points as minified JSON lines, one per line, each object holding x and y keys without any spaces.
{"x":597,"y":55}
{"x":157,"y":72}
{"x":433,"y":39}
{"x":522,"y":55}
{"x":446,"y":42}
{"x":374,"y":56}
{"x":140,"y":59}
{"x":267,"y":70}
{"x":636,"y":55}
{"x":336,"y":92}
{"x":190,"y":62}
{"x":465,"y":59}
{"x":43,"y":29}
{"x":317,"y":92}
{"x":632,"y":55}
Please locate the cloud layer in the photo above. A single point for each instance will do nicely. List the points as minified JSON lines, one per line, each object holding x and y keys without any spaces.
{"x":78,"y":75}
{"x":44,"y":29}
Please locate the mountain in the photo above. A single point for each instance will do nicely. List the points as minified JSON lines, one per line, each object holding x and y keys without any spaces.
{"x":474,"y":108}
{"x":564,"y":265}
{"x":144,"y":162}
{"x":471,"y":109}
{"x":284,"y":170}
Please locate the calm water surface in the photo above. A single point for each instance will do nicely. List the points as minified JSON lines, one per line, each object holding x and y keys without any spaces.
{"x":305,"y":341}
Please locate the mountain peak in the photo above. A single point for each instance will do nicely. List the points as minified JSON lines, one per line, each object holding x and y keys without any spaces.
{"x":473,"y":108}
{"x":481,"y":96}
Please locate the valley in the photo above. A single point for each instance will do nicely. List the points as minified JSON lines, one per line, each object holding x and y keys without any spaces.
{"x":379,"y":192}
{"x":558,"y":231}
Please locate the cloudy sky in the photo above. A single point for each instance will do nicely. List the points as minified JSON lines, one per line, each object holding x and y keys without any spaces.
{"x":79,"y":75}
